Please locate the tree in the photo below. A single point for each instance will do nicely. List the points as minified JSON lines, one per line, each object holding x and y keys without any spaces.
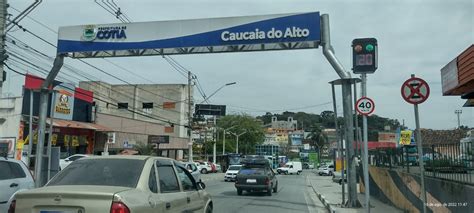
{"x":253,"y":136}
{"x":144,"y":149}
{"x":317,"y":136}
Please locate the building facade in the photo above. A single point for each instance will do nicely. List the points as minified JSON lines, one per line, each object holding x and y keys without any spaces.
{"x":137,"y":113}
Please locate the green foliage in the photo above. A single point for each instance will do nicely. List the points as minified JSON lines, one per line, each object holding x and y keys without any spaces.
{"x":241,"y":123}
{"x":144,"y":149}
{"x":317,"y":136}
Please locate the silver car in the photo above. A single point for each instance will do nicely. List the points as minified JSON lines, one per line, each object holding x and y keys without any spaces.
{"x":14,"y":178}
{"x":126,"y":184}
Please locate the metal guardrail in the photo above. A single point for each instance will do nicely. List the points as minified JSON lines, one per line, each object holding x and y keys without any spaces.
{"x":453,"y":162}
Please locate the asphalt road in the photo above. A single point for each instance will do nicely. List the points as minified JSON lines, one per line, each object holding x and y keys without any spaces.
{"x":294,"y":195}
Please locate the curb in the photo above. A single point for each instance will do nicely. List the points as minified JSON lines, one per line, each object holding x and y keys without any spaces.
{"x":323,"y":200}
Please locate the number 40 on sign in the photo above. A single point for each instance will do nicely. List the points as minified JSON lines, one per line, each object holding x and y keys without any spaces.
{"x":365,"y":106}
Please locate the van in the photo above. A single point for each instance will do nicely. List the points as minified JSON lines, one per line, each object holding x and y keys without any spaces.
{"x":292,"y":167}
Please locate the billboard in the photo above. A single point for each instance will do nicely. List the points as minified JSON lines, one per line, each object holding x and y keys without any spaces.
{"x":64,"y":101}
{"x":209,"y":109}
{"x":230,"y":34}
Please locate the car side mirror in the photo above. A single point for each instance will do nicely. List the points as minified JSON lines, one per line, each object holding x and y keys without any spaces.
{"x":67,"y":160}
{"x":201,"y":185}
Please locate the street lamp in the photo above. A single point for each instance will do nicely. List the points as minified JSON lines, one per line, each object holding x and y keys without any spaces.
{"x":223,"y":142}
{"x":458,"y":112}
{"x":237,"y":136}
{"x":207,"y":98}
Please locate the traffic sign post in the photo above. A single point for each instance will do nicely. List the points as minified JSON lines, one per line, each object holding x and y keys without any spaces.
{"x":365,"y":106}
{"x":416,"y":91}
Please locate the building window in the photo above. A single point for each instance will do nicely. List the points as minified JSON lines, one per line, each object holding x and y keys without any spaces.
{"x":122,"y":105}
{"x":148,"y":105}
{"x":169,"y":105}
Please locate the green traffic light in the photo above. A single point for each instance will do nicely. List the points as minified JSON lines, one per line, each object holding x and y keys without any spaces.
{"x":369,"y":47}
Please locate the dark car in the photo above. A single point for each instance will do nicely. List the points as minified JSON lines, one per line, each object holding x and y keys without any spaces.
{"x":256,"y":175}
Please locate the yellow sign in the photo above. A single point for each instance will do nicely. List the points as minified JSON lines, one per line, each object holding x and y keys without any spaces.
{"x":19,"y":144}
{"x":75,"y":140}
{"x":405,"y":137}
{"x":66,"y":140}
{"x":54,"y":139}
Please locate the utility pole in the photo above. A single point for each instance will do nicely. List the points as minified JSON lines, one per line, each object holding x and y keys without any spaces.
{"x":215,"y":141}
{"x":190,"y":121}
{"x":458,"y":113}
{"x":3,"y":54}
{"x":366,"y":149}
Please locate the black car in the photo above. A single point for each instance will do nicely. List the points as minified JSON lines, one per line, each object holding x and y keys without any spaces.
{"x":256,"y":175}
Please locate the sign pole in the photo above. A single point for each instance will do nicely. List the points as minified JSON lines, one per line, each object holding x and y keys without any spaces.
{"x":366,"y":149}
{"x":420,"y":157}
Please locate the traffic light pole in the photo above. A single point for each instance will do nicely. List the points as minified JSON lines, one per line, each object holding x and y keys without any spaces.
{"x":366,"y":148}
{"x":328,"y":52}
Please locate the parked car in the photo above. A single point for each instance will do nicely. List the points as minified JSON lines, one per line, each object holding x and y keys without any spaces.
{"x":66,"y":161}
{"x":193,"y":169}
{"x":232,"y":172}
{"x":337,"y":177}
{"x":327,"y":170}
{"x":120,"y":183}
{"x":308,"y":165}
{"x":256,"y":175}
{"x":292,"y":167}
{"x":14,"y":177}
{"x":218,"y":167}
{"x":206,"y":167}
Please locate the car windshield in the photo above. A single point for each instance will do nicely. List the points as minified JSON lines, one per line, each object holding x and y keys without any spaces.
{"x":108,"y":172}
{"x":234,"y":168}
{"x":252,"y":171}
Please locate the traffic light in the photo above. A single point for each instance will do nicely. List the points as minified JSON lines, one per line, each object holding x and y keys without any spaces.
{"x":364,"y":55}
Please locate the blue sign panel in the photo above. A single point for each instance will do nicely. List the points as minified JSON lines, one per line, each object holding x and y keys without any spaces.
{"x":253,"y":33}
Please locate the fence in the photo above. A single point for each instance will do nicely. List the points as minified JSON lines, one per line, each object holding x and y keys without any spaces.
{"x":454,"y":162}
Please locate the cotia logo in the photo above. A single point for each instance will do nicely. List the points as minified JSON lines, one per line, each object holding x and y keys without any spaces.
{"x":91,"y":33}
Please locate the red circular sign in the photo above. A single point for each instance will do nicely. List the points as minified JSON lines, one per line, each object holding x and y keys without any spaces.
{"x":415,"y":90}
{"x":365,"y":106}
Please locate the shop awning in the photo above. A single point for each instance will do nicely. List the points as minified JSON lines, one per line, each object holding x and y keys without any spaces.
{"x":79,"y":125}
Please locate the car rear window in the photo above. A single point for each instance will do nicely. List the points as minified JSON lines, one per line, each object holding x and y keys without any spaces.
{"x":234,"y":168}
{"x":252,"y":171}
{"x":105,"y":172}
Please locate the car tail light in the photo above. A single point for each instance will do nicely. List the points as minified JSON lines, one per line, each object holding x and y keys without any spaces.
{"x":12,"y":207}
{"x":119,"y":207}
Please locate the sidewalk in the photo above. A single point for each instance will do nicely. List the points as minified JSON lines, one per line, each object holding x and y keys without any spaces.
{"x":330,"y":194}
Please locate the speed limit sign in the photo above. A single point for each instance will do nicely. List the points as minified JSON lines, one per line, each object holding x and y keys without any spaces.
{"x":365,"y":106}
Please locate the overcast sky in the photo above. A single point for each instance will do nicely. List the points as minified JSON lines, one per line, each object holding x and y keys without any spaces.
{"x":414,"y":36}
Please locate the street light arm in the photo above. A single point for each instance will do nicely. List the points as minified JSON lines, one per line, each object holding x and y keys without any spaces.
{"x":207,"y":98}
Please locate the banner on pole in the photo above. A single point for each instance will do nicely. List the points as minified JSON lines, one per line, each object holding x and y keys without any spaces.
{"x":405,"y":137}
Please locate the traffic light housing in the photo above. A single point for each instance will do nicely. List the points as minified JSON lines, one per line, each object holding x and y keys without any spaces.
{"x":364,"y":55}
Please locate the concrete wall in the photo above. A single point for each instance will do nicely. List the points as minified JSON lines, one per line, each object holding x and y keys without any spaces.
{"x":10,"y":116}
{"x":135,"y":131}
{"x":403,"y":190}
{"x":136,"y":95}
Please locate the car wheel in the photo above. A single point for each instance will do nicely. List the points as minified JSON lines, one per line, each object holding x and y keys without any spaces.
{"x":209,"y":209}
{"x":340,"y":182}
{"x":204,"y":171}
{"x":275,"y":189}
{"x":239,"y":191}
{"x":286,"y":172}
{"x":269,"y":192}
{"x":225,"y":180}
{"x":298,"y":173}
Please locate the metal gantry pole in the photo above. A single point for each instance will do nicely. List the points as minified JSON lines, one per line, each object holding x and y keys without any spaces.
{"x":223,"y":144}
{"x":366,"y":148}
{"x":190,"y":121}
{"x":43,"y":112}
{"x":215,"y":141}
{"x":339,"y":142}
{"x":31,"y":132}
{"x":420,"y":158}
{"x":50,"y":137}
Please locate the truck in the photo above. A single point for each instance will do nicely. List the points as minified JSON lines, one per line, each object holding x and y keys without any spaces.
{"x":292,"y":167}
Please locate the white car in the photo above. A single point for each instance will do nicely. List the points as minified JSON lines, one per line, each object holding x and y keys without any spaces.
{"x":232,"y":172}
{"x":326,"y":170}
{"x":14,"y":178}
{"x":292,"y":167}
{"x":194,"y":170}
{"x":66,"y":161}
{"x":205,"y":167}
